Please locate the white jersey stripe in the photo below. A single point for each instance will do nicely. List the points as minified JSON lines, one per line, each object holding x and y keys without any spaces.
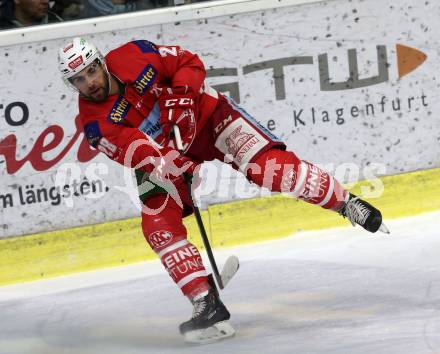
{"x":173,"y":247}
{"x":190,"y":277}
{"x":300,"y":181}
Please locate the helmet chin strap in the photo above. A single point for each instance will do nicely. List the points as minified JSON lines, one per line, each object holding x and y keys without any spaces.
{"x":108,"y":79}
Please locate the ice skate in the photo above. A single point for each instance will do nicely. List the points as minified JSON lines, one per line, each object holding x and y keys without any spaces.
{"x":358,"y":211}
{"x":209,"y":322}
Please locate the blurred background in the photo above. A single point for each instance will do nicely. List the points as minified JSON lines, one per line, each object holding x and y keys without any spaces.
{"x":14,"y":14}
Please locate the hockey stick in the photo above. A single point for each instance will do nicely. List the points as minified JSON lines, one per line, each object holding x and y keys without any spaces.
{"x":232,"y":263}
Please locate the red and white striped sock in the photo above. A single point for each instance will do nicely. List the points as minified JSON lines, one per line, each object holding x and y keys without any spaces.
{"x":282,"y":171}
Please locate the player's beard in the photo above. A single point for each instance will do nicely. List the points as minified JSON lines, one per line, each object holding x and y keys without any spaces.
{"x":100,"y":95}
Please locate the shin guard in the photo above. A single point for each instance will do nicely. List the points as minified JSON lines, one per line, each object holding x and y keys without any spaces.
{"x":282,"y":171}
{"x":166,"y":235}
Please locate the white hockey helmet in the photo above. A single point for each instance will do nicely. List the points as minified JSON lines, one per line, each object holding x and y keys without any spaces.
{"x":75,"y":56}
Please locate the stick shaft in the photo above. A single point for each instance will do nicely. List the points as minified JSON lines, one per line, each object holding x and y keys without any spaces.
{"x":198,"y":215}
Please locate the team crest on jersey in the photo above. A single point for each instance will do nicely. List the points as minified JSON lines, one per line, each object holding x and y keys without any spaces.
{"x":160,"y":238}
{"x":145,"y":79}
{"x":119,"y":111}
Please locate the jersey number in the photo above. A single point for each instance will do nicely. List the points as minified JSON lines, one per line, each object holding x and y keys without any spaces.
{"x":164,"y":51}
{"x":106,"y":147}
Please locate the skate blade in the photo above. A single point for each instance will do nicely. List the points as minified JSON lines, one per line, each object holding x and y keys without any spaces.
{"x":384,"y":229}
{"x":219,"y":331}
{"x":230,"y":268}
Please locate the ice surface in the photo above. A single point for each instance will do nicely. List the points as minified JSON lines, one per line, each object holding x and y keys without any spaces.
{"x":334,"y":291}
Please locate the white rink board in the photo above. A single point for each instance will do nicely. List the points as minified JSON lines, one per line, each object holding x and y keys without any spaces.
{"x":402,"y":141}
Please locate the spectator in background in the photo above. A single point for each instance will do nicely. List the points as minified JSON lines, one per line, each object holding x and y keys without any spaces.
{"x":93,"y":8}
{"x":22,"y":13}
{"x":151,"y":4}
{"x":68,"y":9}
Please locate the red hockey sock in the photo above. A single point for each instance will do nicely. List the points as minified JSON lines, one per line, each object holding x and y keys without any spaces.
{"x":282,"y":171}
{"x":166,"y":235}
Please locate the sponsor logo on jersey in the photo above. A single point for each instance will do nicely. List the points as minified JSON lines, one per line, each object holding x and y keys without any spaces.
{"x":160,"y":238}
{"x":181,"y":255}
{"x":119,"y":110}
{"x":315,"y":186}
{"x":151,"y":125}
{"x":241,"y":140}
{"x":145,"y":79}
{"x":152,"y":130}
{"x":76,"y":62}
{"x":289,"y":179}
{"x":237,"y":140}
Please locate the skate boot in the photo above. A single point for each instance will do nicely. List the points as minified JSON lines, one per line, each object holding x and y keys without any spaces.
{"x":209,"y":321}
{"x":358,"y":211}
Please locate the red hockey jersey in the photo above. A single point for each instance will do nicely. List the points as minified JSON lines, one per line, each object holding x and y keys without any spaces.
{"x":146,"y":69}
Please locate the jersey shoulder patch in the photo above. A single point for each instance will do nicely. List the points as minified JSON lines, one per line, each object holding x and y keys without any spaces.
{"x":124,"y":53}
{"x":146,"y":46}
{"x":93,"y":133}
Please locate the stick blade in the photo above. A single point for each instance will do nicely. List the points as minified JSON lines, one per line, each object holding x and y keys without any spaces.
{"x":384,"y":229}
{"x":229,"y":269}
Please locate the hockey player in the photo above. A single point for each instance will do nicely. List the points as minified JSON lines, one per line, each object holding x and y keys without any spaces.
{"x":130,"y":101}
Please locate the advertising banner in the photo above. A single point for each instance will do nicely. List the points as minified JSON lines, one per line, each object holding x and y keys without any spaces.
{"x":349,"y":85}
